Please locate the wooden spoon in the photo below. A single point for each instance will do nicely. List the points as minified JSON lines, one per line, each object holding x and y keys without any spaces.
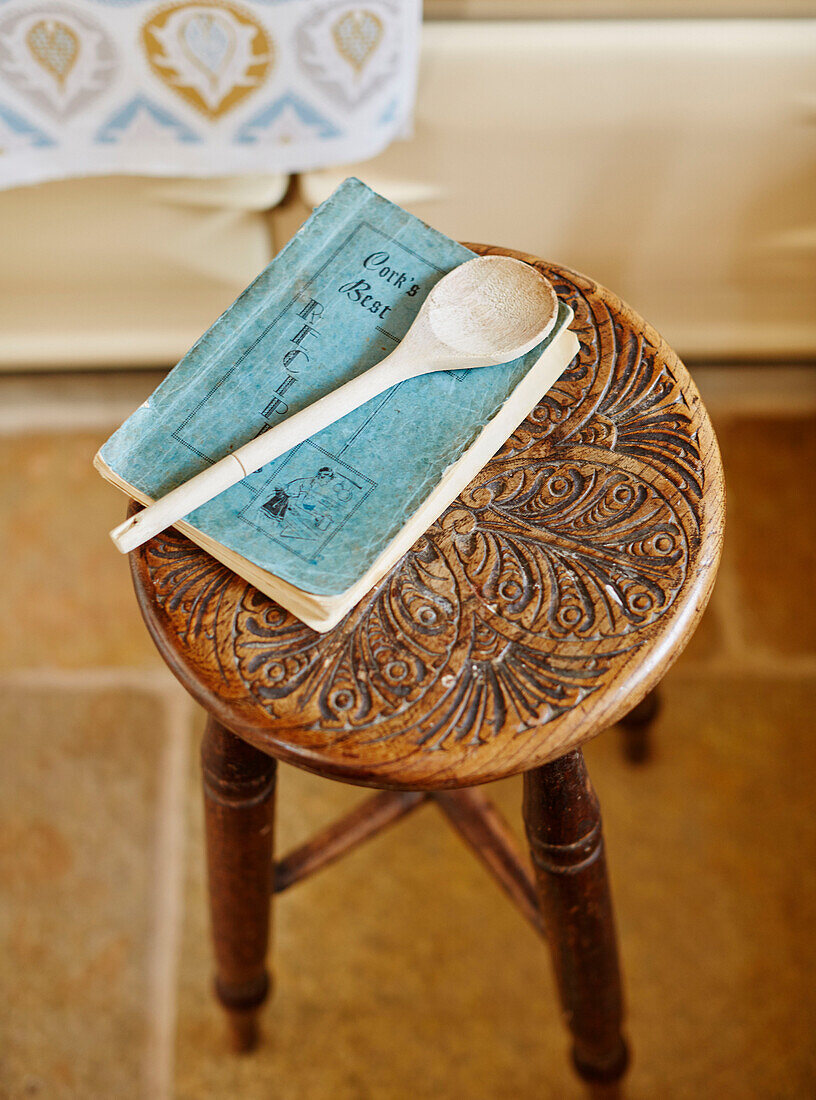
{"x":487,"y":311}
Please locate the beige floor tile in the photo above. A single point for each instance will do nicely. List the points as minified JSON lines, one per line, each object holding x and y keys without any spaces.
{"x":710,"y":847}
{"x":78,"y":831}
{"x":68,"y":600}
{"x":770,"y":467}
{"x":402,"y":972}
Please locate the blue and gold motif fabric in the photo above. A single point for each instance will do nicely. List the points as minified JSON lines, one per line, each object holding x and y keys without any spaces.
{"x":201,"y":87}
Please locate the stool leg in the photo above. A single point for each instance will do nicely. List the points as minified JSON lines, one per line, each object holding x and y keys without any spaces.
{"x":239,"y":804}
{"x":636,"y":727}
{"x":563,"y":824}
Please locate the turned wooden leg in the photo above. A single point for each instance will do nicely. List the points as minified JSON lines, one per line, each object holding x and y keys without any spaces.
{"x":239,"y":804}
{"x":636,"y":727}
{"x":563,"y":824}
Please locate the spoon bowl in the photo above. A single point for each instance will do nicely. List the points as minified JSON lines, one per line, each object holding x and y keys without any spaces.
{"x":493,"y":308}
{"x":487,"y":311}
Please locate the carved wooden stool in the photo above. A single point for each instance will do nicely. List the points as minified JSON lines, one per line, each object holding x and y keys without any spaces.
{"x":542,"y":607}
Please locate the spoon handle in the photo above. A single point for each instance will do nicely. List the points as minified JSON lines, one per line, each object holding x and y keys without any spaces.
{"x":231,"y":469}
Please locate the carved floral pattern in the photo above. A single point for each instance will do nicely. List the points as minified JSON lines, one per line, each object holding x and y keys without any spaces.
{"x":517,"y":604}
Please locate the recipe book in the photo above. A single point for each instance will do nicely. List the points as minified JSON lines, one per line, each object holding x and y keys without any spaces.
{"x":318,"y":526}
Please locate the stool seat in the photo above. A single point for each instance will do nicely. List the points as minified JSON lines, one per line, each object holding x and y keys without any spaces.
{"x":540,"y":608}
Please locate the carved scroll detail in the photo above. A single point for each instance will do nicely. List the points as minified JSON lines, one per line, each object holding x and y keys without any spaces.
{"x":519,"y":602}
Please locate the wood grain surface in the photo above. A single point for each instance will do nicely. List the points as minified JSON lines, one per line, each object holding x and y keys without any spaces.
{"x":540,"y":608}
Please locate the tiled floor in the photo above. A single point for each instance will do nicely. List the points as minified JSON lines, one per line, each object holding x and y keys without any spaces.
{"x":402,"y":972}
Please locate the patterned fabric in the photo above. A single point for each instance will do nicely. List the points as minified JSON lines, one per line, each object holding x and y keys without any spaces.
{"x":201,"y":87}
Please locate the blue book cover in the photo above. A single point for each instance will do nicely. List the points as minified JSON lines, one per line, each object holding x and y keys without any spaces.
{"x":331,"y":304}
